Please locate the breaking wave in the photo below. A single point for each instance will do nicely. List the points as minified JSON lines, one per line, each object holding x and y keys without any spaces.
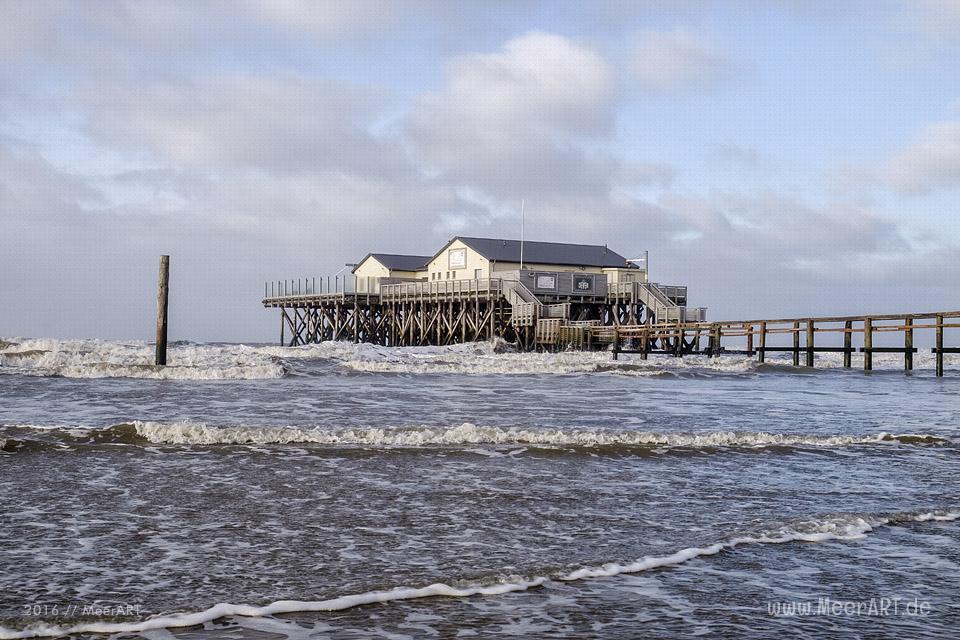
{"x":838,"y":527}
{"x":101,"y":359}
{"x":464,"y":435}
{"x":189,"y":361}
{"x":499,"y":358}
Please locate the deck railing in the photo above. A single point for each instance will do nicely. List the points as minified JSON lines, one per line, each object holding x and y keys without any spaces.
{"x":321,"y":285}
{"x":440,"y":288}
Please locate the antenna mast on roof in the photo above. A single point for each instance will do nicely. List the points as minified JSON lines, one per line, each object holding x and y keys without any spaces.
{"x":521,"y":235}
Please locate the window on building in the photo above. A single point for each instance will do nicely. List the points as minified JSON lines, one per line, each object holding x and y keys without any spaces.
{"x":448,"y":275}
{"x":453,"y":275}
{"x":477,"y":274}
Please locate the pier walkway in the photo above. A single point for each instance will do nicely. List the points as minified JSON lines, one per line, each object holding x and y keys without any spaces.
{"x":624,"y":317}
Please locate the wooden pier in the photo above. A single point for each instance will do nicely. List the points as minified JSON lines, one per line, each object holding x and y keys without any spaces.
{"x":393,"y":312}
{"x":756,"y":337}
{"x":632,"y":318}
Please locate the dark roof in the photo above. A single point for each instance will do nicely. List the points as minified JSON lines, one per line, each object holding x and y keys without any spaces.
{"x":398,"y":262}
{"x":584,"y":255}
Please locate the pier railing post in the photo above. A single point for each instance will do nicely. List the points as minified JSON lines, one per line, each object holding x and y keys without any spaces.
{"x":761,"y":354}
{"x":908,"y":343}
{"x":867,"y":344}
{"x":796,"y":343}
{"x":939,"y":346}
{"x":616,"y":344}
{"x":847,"y":344}
{"x":749,"y":330}
{"x":811,"y":331}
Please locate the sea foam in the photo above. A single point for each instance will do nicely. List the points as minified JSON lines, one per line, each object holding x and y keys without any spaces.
{"x":103,"y":359}
{"x":838,"y":527}
{"x":472,"y":434}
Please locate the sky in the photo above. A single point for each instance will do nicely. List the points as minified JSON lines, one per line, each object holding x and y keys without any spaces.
{"x":779,"y":158}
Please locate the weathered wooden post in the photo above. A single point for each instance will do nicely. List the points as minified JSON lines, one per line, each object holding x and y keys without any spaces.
{"x":749,"y":329}
{"x":616,"y":344}
{"x":163,"y":292}
{"x":867,"y":344}
{"x":762,"y":353}
{"x":811,"y":331}
{"x":796,"y":343}
{"x":939,"y":346}
{"x":908,"y":343}
{"x":717,"y":339}
{"x":847,"y":343}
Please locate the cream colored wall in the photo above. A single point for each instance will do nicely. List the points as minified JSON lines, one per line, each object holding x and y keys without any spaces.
{"x":441,"y":265}
{"x":406,"y":274}
{"x":625,"y":275}
{"x":371,"y":268}
{"x":515,"y":266}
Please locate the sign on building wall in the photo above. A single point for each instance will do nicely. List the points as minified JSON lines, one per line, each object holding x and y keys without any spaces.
{"x":582,"y":284}
{"x":457,"y":258}
{"x":546,"y":282}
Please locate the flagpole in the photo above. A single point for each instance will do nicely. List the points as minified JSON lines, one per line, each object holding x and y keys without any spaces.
{"x":521,"y":235}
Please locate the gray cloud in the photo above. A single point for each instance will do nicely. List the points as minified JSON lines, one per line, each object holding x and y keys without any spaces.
{"x":275,"y":123}
{"x":931,"y":161}
{"x":730,"y":155}
{"x":516,"y":123}
{"x":675,"y":60}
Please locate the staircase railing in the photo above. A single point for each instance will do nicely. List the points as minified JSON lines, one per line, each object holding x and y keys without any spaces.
{"x":525,"y":307}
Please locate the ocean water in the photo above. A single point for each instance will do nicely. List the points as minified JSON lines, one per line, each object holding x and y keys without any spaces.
{"x":354,"y":491}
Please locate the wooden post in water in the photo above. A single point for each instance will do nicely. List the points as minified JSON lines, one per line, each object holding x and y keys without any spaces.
{"x":811,"y":330}
{"x":847,"y":343}
{"x":939,"y":346}
{"x":868,"y":344}
{"x":762,"y":355}
{"x":749,"y":329}
{"x":796,"y":343}
{"x":908,"y":343}
{"x":163,"y":292}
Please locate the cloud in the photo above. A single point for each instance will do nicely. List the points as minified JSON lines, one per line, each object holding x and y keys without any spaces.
{"x":329,"y":18}
{"x":522,"y":122}
{"x":930,"y":162}
{"x":674,"y":60}
{"x":272,"y":123}
{"x":938,"y":19}
{"x":28,"y":27}
{"x":732,"y":155}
